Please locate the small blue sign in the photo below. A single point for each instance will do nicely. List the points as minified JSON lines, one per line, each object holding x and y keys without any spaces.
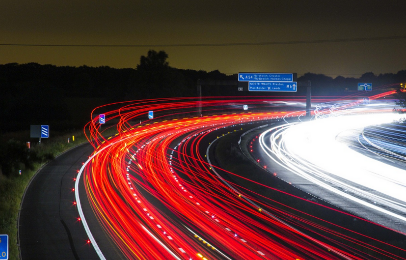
{"x":272,"y":86}
{"x":44,"y":131}
{"x":102,"y":119}
{"x":245,"y":107}
{"x":284,"y":77}
{"x":3,"y":247}
{"x":365,"y":86}
{"x":151,"y":115}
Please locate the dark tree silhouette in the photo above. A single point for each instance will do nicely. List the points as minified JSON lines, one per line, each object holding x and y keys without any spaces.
{"x":368,"y":77}
{"x":64,"y":96}
{"x":155,"y":78}
{"x":154,"y":60}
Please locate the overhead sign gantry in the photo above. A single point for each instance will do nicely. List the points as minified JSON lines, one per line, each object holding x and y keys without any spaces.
{"x":272,"y":82}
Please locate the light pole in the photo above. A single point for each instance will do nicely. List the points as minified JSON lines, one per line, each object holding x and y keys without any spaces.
{"x":309,"y":99}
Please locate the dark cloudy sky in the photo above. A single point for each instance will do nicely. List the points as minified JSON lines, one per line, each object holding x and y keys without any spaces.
{"x":166,"y":22}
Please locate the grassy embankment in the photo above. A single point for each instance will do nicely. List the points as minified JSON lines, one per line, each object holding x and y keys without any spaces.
{"x":12,"y":187}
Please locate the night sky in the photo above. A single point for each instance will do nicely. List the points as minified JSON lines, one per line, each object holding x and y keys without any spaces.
{"x":357,"y":36}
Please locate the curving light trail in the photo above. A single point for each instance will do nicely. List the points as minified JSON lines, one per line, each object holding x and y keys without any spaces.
{"x":319,"y":151}
{"x":156,"y":196}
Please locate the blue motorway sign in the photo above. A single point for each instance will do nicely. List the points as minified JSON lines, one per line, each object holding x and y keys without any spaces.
{"x":44,"y":131}
{"x":3,"y":247}
{"x":285,"y":77}
{"x":151,"y":115}
{"x":102,"y":119}
{"x":365,"y":86}
{"x":272,"y":86}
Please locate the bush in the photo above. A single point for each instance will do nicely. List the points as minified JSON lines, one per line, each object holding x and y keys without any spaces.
{"x":14,"y":155}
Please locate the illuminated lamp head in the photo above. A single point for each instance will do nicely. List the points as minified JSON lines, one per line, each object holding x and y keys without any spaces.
{"x":402,"y":87}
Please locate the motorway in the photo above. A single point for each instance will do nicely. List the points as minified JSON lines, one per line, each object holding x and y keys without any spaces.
{"x":48,"y":226}
{"x":328,"y":154}
{"x":152,"y":192}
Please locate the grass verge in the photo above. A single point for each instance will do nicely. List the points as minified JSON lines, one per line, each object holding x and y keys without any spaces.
{"x":12,"y":188}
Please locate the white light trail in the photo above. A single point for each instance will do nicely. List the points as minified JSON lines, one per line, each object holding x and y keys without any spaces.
{"x":313,"y":151}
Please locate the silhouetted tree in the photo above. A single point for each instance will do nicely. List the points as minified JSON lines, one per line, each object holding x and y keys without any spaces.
{"x":368,"y":77}
{"x":155,"y":78}
{"x":153,"y":61}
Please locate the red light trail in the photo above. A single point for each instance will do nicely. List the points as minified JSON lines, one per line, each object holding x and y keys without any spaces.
{"x":156,"y":196}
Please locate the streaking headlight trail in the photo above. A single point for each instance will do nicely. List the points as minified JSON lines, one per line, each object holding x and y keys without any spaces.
{"x":153,"y":192}
{"x":319,"y":151}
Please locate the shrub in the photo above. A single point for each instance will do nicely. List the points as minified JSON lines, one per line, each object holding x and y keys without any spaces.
{"x":13,"y":155}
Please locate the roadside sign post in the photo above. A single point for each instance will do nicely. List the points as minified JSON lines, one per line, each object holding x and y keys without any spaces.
{"x":102,"y":119}
{"x":272,"y":86}
{"x":35,"y":132}
{"x":309,"y":100}
{"x":151,"y":115}
{"x":274,"y":82}
{"x":269,"y":82}
{"x":44,"y":132}
{"x":272,"y":77}
{"x":4,"y":247}
{"x":39,"y":131}
{"x":365,"y":86}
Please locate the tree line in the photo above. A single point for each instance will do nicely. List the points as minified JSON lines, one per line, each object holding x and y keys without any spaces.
{"x":64,"y":96}
{"x":43,"y":94}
